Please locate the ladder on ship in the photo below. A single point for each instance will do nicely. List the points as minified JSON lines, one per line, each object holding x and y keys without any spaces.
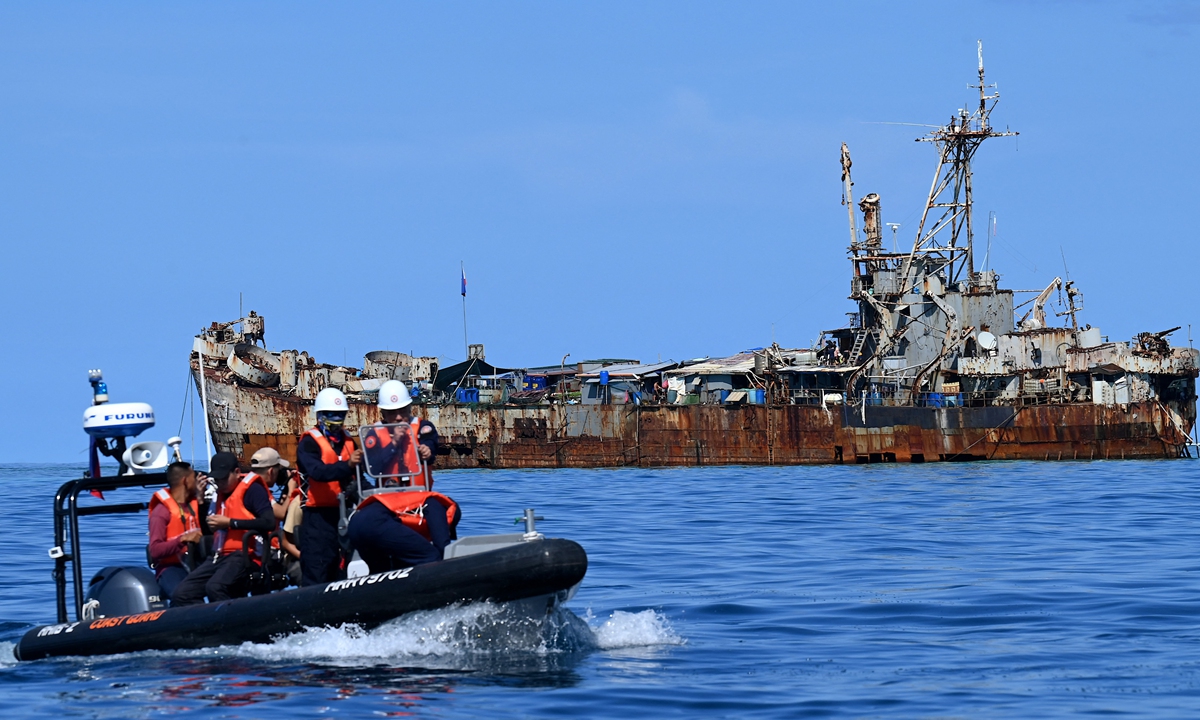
{"x":860,"y":341}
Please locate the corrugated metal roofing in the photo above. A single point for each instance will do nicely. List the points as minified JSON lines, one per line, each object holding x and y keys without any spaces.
{"x":632,"y":369}
{"x":816,"y":368}
{"x":740,"y":363}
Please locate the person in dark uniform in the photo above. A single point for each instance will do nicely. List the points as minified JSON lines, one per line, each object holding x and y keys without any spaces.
{"x":243,"y":504}
{"x":402,"y":529}
{"x":326,"y":458}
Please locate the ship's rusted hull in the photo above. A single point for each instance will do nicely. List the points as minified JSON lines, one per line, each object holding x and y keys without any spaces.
{"x":585,"y":436}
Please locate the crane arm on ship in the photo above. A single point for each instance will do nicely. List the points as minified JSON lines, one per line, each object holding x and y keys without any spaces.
{"x":1035,"y":318}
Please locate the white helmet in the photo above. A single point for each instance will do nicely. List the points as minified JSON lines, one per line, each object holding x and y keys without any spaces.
{"x":393,"y":396}
{"x":331,"y":400}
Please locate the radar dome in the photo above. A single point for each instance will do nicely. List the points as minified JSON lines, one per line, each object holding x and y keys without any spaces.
{"x":113,"y":420}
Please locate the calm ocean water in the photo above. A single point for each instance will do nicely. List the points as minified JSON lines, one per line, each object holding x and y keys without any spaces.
{"x":937,"y":590}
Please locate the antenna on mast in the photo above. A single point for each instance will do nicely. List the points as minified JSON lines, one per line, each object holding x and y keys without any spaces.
{"x":950,"y":194}
{"x":981,"y":85}
{"x":894,"y":227}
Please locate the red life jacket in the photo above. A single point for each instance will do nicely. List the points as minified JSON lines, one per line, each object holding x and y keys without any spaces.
{"x":411,"y":465}
{"x":324,"y":494}
{"x":181,"y":521}
{"x":234,"y":508}
{"x":407,"y":507}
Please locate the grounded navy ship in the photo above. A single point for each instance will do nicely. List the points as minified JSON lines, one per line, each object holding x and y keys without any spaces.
{"x":935,"y":365}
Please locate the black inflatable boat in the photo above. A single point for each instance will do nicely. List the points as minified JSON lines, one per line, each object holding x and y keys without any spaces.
{"x":123,"y":611}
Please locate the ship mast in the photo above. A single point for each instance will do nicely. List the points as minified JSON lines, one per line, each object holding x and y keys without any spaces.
{"x":950,"y":194}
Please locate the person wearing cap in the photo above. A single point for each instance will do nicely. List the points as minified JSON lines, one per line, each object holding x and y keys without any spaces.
{"x":243,"y":504}
{"x":175,"y":527}
{"x":278,"y":473}
{"x":327,"y":459}
{"x":393,"y":530}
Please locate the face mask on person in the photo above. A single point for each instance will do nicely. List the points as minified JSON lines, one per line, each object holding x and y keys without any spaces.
{"x":331,"y":423}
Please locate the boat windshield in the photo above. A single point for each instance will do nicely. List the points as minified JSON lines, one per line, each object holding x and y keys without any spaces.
{"x":390,"y":454}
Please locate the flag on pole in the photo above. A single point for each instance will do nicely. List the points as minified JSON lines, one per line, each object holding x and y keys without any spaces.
{"x":464,"y":280}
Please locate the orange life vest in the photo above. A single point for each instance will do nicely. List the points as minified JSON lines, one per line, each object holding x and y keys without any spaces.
{"x":324,"y":494}
{"x":407,"y":507}
{"x":234,"y":508}
{"x":382,"y":437}
{"x":181,"y":521}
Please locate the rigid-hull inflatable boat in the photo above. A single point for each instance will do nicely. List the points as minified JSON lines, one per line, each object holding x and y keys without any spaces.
{"x":123,"y":609}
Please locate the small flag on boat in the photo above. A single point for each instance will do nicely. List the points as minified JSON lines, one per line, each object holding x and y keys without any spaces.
{"x":464,"y":280}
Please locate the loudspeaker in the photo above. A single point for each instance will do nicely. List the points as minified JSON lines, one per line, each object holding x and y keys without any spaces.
{"x":146,"y":456}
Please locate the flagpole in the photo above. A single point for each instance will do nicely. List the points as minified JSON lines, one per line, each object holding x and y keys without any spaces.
{"x":466,"y":347}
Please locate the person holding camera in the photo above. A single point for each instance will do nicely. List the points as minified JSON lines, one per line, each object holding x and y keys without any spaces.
{"x":278,"y":473}
{"x":243,"y":505}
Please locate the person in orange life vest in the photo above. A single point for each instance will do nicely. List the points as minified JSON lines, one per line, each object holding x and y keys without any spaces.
{"x":243,"y":503}
{"x":400,"y":449}
{"x":327,"y":460}
{"x":398,"y":530}
{"x":175,"y":527}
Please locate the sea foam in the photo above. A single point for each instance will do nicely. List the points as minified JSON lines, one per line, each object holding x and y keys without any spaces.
{"x":478,"y":630}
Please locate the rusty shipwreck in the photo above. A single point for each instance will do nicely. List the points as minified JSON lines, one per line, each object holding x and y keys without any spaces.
{"x":935,"y":365}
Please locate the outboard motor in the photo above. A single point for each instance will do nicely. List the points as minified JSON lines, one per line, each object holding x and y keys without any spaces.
{"x":118,"y":591}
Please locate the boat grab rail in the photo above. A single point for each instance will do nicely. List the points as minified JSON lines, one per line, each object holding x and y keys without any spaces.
{"x":67,"y":512}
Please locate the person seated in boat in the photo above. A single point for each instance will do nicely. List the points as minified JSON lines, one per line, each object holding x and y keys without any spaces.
{"x":276,"y":472}
{"x":327,"y":459}
{"x":289,"y":538}
{"x":175,"y":531}
{"x":279,"y":476}
{"x":243,"y":504}
{"x":401,"y":529}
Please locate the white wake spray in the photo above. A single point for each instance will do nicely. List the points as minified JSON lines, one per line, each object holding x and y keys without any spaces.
{"x":477,"y":631}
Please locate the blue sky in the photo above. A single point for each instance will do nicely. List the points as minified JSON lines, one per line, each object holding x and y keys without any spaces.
{"x":621,"y":179}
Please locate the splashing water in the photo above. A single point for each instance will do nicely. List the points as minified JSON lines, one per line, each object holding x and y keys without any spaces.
{"x":642,"y":629}
{"x":468,"y":632}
